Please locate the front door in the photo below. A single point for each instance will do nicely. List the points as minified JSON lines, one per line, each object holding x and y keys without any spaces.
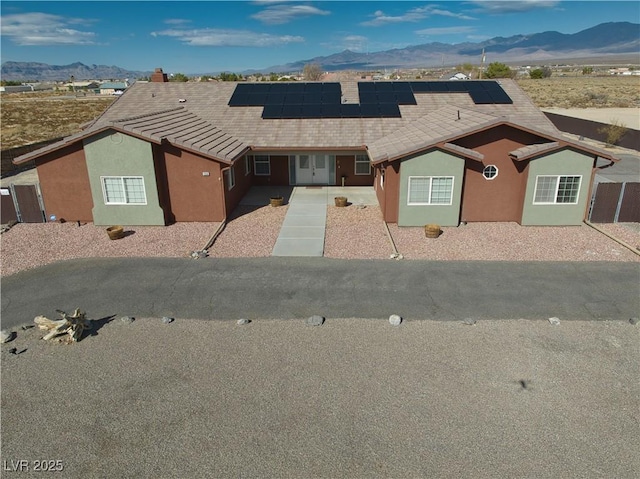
{"x":312,"y":170}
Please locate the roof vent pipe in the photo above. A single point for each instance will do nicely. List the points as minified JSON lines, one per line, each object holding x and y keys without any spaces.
{"x":458,"y":115}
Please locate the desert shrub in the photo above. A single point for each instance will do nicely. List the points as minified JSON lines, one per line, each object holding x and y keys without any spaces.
{"x":613,"y":131}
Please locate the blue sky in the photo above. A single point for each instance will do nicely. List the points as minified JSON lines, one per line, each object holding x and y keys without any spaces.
{"x":233,"y":36}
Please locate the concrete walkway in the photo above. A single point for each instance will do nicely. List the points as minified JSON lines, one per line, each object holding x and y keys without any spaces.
{"x":302,"y":232}
{"x":303,"y":229}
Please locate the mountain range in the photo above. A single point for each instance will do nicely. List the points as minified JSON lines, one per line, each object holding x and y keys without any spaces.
{"x":600,"y":41}
{"x":605,"y":39}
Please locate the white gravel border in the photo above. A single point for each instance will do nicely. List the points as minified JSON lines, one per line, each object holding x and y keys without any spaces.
{"x":352,"y":232}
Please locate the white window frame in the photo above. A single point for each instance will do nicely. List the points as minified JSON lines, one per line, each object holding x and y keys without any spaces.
{"x":360,"y":159}
{"x":484,"y":171}
{"x":430,"y":203}
{"x":124,"y":191}
{"x":261,"y":160}
{"x":230,"y":179}
{"x":247,"y":165}
{"x":557,"y":187}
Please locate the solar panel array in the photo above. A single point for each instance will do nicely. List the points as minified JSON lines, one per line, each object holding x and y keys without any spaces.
{"x":377,"y":99}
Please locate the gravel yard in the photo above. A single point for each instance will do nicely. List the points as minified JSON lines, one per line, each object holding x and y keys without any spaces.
{"x":352,"y":233}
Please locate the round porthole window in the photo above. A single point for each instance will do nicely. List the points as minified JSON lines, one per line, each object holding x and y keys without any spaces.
{"x":490,"y":172}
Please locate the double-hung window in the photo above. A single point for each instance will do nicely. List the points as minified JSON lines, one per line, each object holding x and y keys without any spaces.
{"x":363,"y":165}
{"x":556,"y":189}
{"x":261,"y":165}
{"x":430,"y":190}
{"x":123,"y":190}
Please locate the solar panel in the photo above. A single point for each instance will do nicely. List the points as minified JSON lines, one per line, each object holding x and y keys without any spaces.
{"x":272,"y":112}
{"x":389,"y":110}
{"x":500,"y":97}
{"x":366,"y":86}
{"x":313,"y":88}
{"x":377,"y":99}
{"x":330,"y":110}
{"x":481,"y":97}
{"x":420,"y":87}
{"x":351,"y":110}
{"x":293,"y":97}
{"x":401,"y":86}
{"x":387,"y":97}
{"x":368,"y":97}
{"x":406,"y":98}
{"x":457,"y":86}
{"x":382,"y":86}
{"x":438,"y":86}
{"x":312,"y":110}
{"x":312,"y":97}
{"x":369,"y":110}
{"x":275,"y":98}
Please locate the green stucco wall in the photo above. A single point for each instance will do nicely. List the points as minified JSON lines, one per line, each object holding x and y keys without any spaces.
{"x":566,"y":162}
{"x":433,"y":163}
{"x":115,"y":154}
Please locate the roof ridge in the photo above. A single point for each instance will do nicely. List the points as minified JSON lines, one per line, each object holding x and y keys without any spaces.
{"x":146,"y":115}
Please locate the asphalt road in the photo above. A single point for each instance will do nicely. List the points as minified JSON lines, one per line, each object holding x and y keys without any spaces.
{"x":284,"y":288}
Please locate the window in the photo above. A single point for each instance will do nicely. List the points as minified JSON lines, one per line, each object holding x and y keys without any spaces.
{"x":123,"y":190}
{"x":430,"y":190}
{"x":363,"y":165}
{"x":247,"y":165}
{"x":490,"y":172}
{"x":230,"y":177}
{"x":557,"y":189}
{"x":261,"y":165}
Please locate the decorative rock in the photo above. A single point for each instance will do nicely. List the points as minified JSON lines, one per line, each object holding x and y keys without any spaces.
{"x":242,"y":322}
{"x":127,"y":319}
{"x":395,"y":320}
{"x":167,"y":320}
{"x":6,"y":336}
{"x":555,"y":321}
{"x":634,"y":320}
{"x":198,"y":254}
{"x":469,"y":321}
{"x":315,"y":320}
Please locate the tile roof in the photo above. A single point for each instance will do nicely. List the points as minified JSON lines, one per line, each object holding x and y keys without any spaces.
{"x":530,"y":150}
{"x":197,"y":116}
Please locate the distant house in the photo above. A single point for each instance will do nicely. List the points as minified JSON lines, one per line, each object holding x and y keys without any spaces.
{"x":434,"y":152}
{"x":113,"y":88}
{"x":15,"y":88}
{"x":459,"y":76}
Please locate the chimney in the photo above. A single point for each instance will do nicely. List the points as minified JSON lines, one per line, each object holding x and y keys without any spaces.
{"x":159,"y":76}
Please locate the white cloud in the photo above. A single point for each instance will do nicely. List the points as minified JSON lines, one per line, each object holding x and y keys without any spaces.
{"x":513,"y":6}
{"x":176,"y":21}
{"x":445,"y":31}
{"x":45,"y":29}
{"x":279,"y":14}
{"x":414,"y":15}
{"x":215,"y":37}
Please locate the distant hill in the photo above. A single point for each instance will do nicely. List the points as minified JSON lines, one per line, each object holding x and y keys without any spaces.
{"x":605,"y":39}
{"x":32,"y":71}
{"x":599,"y":41}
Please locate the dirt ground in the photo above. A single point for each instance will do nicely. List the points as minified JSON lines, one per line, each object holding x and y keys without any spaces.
{"x":350,"y":398}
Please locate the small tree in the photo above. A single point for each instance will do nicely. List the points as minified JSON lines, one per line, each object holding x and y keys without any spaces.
{"x":312,"y":72}
{"x":587,"y":70}
{"x":544,"y":72}
{"x":614,"y":131}
{"x":180,"y":77}
{"x":498,"y":70}
{"x":465,"y":68}
{"x":273,"y":76}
